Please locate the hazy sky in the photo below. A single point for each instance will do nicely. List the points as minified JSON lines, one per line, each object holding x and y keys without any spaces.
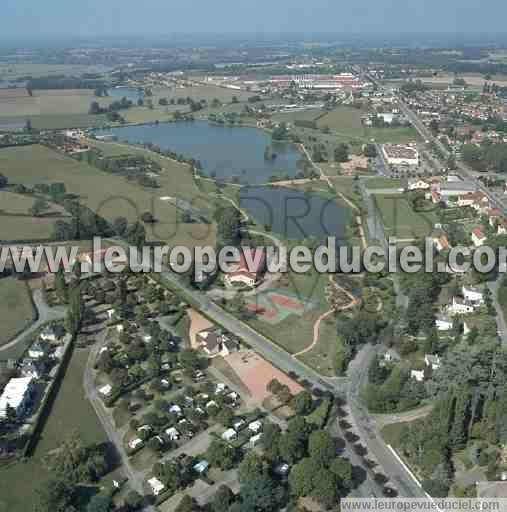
{"x":94,"y":17}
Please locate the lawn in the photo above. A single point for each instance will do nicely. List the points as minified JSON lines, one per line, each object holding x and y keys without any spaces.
{"x":346,"y":122}
{"x":400,"y":220}
{"x":321,"y":356}
{"x":16,"y":311}
{"x":380,"y":182}
{"x":70,"y":412}
{"x":12,"y":71}
{"x":310,"y":114}
{"x":112,"y":196}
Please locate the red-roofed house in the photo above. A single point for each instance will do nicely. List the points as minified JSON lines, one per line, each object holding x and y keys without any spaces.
{"x":478,"y":236}
{"x":251,"y":266}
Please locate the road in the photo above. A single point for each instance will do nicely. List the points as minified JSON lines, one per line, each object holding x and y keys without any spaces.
{"x":500,"y":317}
{"x":45,"y":314}
{"x":136,"y":480}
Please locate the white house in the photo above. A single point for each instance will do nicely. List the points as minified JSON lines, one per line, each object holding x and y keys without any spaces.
{"x":175,"y":409}
{"x":417,"y":184}
{"x":229,"y":435}
{"x":156,"y":486}
{"x":37,"y":350}
{"x":135,"y":443}
{"x":473,"y":294}
{"x":145,"y":428}
{"x":478,"y":236}
{"x":106,"y":390}
{"x":441,"y":243}
{"x":120,"y":328}
{"x":460,"y":306}
{"x":110,"y":313}
{"x":254,"y":440}
{"x":16,"y":395}
{"x":443,"y":323}
{"x":172,"y":434}
{"x":239,"y":424}
{"x":48,"y":334}
{"x":255,"y":426}
{"x":432,"y":360}
{"x":201,"y":467}
{"x":418,"y":375}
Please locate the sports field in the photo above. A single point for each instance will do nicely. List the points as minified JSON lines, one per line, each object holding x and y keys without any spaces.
{"x":16,"y":311}
{"x":112,"y":196}
{"x":400,"y":220}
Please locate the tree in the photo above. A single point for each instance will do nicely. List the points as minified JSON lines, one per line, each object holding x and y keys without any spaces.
{"x":187,"y":504}
{"x":133,"y":501}
{"x":3,"y":181}
{"x":325,"y":487}
{"x":302,"y":403}
{"x":75,"y":311}
{"x":99,"y":503}
{"x":301,"y":477}
{"x":220,"y":454}
{"x":321,"y":447}
{"x":341,"y":153}
{"x":343,"y":470}
{"x":56,"y":495}
{"x":38,"y":207}
{"x":251,"y":467}
{"x":223,"y":499}
{"x":94,"y":108}
{"x":261,"y":495}
{"x":370,"y":151}
{"x":120,"y":225}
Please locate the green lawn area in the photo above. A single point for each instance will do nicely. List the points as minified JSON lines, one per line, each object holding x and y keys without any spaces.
{"x":346,"y":121}
{"x":400,"y":220}
{"x":12,"y":71}
{"x":16,"y":311}
{"x":321,"y":356}
{"x":70,"y":412}
{"x":301,"y":115}
{"x":112,"y":196}
{"x":380,"y":182}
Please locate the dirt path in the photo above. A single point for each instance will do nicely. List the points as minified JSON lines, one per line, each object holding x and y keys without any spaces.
{"x":316,"y":325}
{"x":387,"y":419}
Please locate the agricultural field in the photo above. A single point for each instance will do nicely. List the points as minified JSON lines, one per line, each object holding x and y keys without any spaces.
{"x":200,"y":92}
{"x":16,"y":310}
{"x":112,"y":196}
{"x":70,"y":412}
{"x":301,"y":115}
{"x":400,"y":220}
{"x":12,"y":71}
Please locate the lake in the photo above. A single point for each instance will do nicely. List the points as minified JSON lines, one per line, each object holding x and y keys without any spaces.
{"x":225,"y":152}
{"x":296,"y":215}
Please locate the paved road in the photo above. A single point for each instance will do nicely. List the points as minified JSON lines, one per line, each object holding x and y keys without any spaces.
{"x":136,"y":479}
{"x":500,"y":318}
{"x":45,"y":314}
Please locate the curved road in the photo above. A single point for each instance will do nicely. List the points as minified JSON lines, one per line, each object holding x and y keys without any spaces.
{"x":45,"y":314}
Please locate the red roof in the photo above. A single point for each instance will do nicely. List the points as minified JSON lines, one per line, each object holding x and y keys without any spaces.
{"x":251,"y":266}
{"x":477,"y":231}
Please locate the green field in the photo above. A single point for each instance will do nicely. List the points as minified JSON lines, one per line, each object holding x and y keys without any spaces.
{"x":16,"y":311}
{"x":346,"y":122}
{"x":112,"y":196}
{"x":13,"y":71}
{"x":321,"y":356}
{"x":400,"y":220}
{"x":70,"y":412}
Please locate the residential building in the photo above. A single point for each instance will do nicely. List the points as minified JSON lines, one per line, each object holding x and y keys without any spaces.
{"x":16,"y":395}
{"x":460,"y":306}
{"x":432,"y":360}
{"x":473,"y":294}
{"x":229,"y":435}
{"x":249,"y":269}
{"x":443,"y":323}
{"x":201,"y":467}
{"x":418,"y":375}
{"x":441,"y":243}
{"x":478,"y":236}
{"x":255,"y":426}
{"x":156,"y":486}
